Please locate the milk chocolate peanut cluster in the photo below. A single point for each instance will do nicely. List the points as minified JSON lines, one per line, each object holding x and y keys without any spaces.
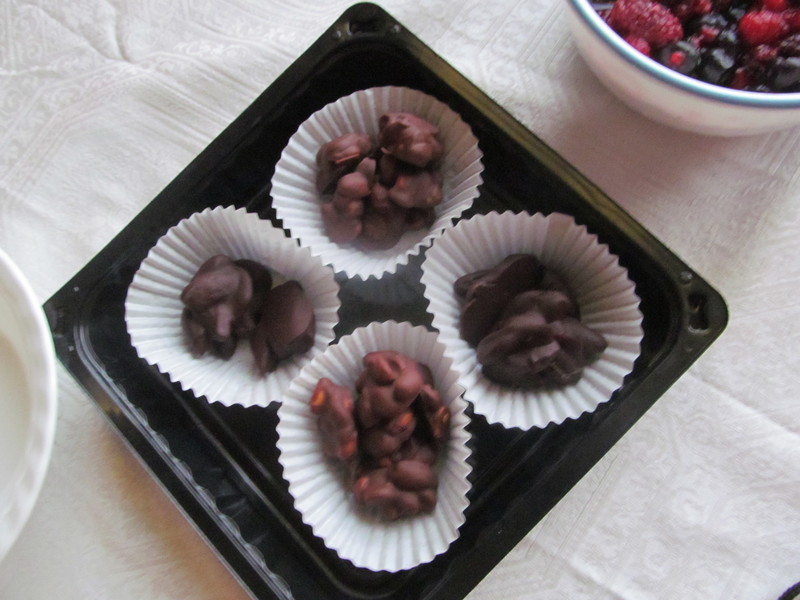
{"x":228,"y":300}
{"x":524,"y":323}
{"x":376,"y":190}
{"x":388,"y":433}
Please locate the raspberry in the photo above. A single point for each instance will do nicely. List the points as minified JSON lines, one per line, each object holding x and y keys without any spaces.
{"x":741,"y":79}
{"x":645,"y":19}
{"x":762,"y":27}
{"x":691,"y":8}
{"x":775,"y":5}
{"x":640,"y":44}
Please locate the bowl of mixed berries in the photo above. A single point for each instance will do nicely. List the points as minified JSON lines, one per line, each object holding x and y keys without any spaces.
{"x":718,"y":67}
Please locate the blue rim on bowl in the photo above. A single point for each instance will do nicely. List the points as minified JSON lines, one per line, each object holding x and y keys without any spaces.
{"x":783,"y":100}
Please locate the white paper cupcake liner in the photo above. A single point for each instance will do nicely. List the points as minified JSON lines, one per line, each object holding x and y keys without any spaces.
{"x":297,"y":202}
{"x":153,"y":306}
{"x":319,"y":486}
{"x":605,"y":295}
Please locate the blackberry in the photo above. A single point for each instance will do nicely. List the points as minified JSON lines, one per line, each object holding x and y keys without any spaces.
{"x":712,"y":20}
{"x":785,"y":74}
{"x":716,"y":66}
{"x":790,"y":46}
{"x":728,"y":39}
{"x":735,"y":13}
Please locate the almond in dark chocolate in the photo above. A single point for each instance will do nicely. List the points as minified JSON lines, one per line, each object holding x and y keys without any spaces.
{"x":286,"y":328}
{"x":221,"y":304}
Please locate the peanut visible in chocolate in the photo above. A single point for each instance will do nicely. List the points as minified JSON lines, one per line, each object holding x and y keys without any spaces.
{"x":398,"y":423}
{"x":374,"y":192}
{"x":333,"y":405}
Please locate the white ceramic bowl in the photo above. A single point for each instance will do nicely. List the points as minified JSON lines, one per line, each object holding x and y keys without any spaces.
{"x":27,"y":400}
{"x":669,"y":97}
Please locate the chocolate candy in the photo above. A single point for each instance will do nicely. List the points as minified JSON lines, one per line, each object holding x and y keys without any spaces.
{"x":525,"y":324}
{"x":379,"y":193}
{"x":409,"y":138}
{"x":385,"y":439}
{"x":333,"y":405}
{"x":286,"y":328}
{"x":221,"y":304}
{"x":409,"y":186}
{"x":485,"y":293}
{"x":404,"y":489}
{"x":228,"y":300}
{"x":383,"y":222}
{"x":342,"y":216}
{"x":398,"y":422}
{"x":340,"y":156}
{"x":390,"y":382}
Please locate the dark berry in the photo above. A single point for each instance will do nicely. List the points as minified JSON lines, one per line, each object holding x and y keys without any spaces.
{"x":711,"y":21}
{"x":786,"y":74}
{"x":728,"y":39}
{"x":735,"y":13}
{"x":682,"y":57}
{"x":716,"y":66}
{"x":790,"y":46}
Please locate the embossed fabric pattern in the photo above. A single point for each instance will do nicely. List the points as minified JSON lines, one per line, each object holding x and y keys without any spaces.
{"x":104,"y":102}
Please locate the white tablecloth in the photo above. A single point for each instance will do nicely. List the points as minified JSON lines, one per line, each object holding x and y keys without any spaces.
{"x":102,"y":103}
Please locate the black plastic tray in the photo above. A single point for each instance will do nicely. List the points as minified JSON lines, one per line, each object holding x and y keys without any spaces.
{"x":220,"y":464}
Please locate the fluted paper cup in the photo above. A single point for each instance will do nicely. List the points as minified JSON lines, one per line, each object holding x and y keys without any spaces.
{"x":297,"y":202}
{"x":320,"y":486}
{"x":605,"y":296}
{"x":153,"y":305}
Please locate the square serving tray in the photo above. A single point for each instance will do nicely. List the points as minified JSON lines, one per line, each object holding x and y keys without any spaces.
{"x":220,"y":464}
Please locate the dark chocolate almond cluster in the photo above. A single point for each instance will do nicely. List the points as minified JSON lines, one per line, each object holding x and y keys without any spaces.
{"x":228,"y":300}
{"x":376,"y":190}
{"x":525,"y":325}
{"x":388,"y":434}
